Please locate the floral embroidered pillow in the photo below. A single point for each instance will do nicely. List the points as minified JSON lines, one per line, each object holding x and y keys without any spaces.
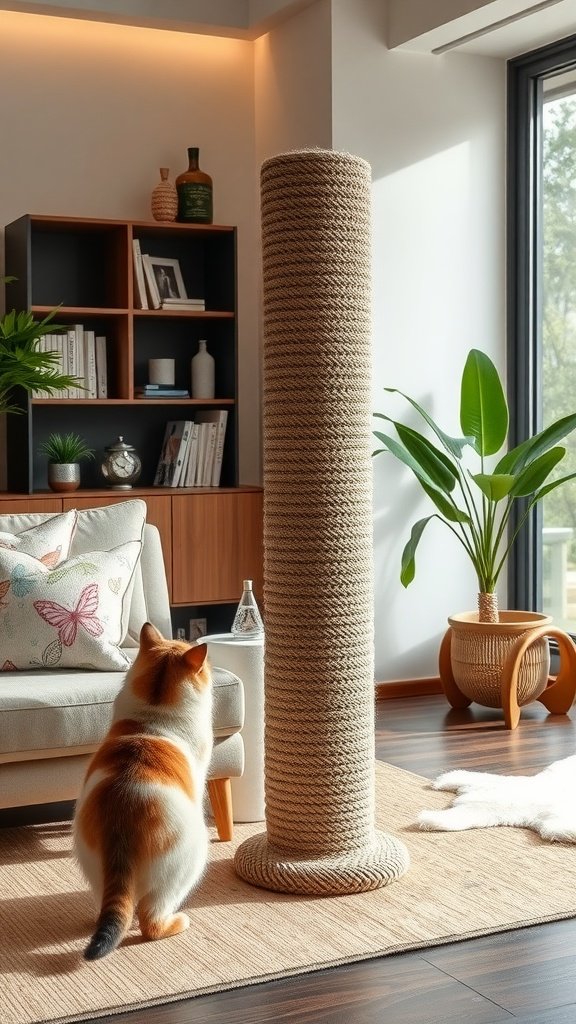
{"x":67,"y":617}
{"x":48,"y":541}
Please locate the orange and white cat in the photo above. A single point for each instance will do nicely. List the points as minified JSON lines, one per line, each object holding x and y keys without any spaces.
{"x":139,"y":831}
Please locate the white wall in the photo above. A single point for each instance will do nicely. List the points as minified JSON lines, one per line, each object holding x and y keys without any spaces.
{"x":293,"y":84}
{"x":292,"y":95}
{"x":433,"y":130}
{"x":91,"y":111}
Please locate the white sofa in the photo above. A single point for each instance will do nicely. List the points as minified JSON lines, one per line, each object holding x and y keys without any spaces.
{"x":52,"y":721}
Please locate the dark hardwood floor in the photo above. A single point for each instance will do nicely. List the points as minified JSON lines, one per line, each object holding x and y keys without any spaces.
{"x":527,"y":975}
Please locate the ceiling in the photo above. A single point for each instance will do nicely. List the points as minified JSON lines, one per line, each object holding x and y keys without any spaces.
{"x":496,"y":28}
{"x":245,"y":19}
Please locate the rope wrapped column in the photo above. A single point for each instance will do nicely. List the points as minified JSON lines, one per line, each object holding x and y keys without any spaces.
{"x":319,"y":674}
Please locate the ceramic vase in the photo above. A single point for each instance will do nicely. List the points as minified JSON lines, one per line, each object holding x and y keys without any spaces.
{"x":202,"y":373}
{"x":64,"y":476}
{"x":164,"y":200}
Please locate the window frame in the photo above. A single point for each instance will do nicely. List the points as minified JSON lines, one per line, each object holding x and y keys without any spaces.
{"x":524,"y":292}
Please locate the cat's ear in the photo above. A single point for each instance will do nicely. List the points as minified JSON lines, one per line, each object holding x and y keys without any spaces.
{"x":149,"y":636}
{"x":196,"y":656}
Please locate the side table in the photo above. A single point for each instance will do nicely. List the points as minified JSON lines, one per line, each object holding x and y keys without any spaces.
{"x":245,"y":658}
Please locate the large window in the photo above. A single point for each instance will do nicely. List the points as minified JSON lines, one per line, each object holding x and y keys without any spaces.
{"x":542,"y":309}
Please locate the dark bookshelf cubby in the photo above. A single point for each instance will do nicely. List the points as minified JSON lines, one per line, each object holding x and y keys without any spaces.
{"x":84,"y":270}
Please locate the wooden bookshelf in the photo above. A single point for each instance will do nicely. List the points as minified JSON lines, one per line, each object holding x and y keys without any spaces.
{"x":212,"y":538}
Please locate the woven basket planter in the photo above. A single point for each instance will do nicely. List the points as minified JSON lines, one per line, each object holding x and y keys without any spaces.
{"x":506,"y":664}
{"x":479,"y":651}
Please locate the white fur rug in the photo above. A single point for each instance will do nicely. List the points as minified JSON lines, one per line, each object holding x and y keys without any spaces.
{"x":545,"y":802}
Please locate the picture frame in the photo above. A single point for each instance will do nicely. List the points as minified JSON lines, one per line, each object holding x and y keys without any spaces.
{"x":197,"y":628}
{"x":163,"y":278}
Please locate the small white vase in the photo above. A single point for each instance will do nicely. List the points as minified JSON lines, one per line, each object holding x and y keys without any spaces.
{"x":202,"y":373}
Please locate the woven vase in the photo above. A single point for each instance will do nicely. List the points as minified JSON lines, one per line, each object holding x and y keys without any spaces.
{"x":164,"y":199}
{"x":479,"y":650}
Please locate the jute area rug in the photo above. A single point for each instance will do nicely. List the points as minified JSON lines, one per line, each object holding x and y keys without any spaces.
{"x":460,"y":885}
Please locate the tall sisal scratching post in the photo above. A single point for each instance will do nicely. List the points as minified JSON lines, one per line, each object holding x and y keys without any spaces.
{"x":319,"y":684}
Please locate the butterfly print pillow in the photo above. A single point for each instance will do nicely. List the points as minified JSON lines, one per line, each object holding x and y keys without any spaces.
{"x":49,"y":541}
{"x":65,"y":617}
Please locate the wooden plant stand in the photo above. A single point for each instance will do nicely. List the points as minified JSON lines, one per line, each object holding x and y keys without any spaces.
{"x":558,"y":695}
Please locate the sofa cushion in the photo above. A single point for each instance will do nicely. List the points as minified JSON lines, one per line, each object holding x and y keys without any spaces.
{"x":68,"y":617}
{"x":98,"y":529}
{"x":49,"y":541}
{"x":56,"y":710}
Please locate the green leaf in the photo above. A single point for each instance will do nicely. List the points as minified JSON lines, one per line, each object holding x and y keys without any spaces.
{"x":550,"y":487}
{"x":527,"y":451}
{"x":22,"y":364}
{"x":454,"y":445}
{"x":536,"y":473}
{"x":427,"y":482}
{"x":434,"y":463}
{"x":494,"y":485}
{"x":408,"y":570}
{"x":483,"y":406}
{"x":400,"y":452}
{"x":449,"y":511}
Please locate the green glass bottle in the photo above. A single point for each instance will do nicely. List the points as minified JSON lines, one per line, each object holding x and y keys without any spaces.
{"x":194,"y":189}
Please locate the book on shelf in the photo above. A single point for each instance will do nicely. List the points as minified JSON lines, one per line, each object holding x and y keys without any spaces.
{"x":200,"y":455}
{"x":169,"y":454}
{"x":151,"y":286}
{"x":182,"y":454}
{"x":139,"y":282}
{"x":80,"y":365}
{"x":101,"y":366}
{"x":48,"y":343}
{"x":191,"y":304}
{"x":37,"y":392}
{"x":72,"y":361}
{"x":55,"y":343}
{"x":90,"y":377}
{"x":61,"y":348}
{"x":206,"y":445}
{"x":218,"y":418}
{"x":189,"y":472}
{"x":156,"y":391}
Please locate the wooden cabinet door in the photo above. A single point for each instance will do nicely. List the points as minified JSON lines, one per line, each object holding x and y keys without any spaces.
{"x":159,"y":513}
{"x":217,"y":542}
{"x":11,"y":506}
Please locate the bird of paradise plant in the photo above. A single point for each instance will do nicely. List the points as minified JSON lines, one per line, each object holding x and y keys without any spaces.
{"x":476,"y":504}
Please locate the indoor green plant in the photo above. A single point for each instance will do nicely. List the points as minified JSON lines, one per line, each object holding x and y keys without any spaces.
{"x":473,"y":499}
{"x":65,"y":452}
{"x":22,"y":364}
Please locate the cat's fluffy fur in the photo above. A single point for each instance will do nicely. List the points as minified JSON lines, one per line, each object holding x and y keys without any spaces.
{"x":139,"y":831}
{"x":542,"y":802}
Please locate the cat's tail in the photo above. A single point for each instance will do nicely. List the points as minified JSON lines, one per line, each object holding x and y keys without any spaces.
{"x":115,"y":915}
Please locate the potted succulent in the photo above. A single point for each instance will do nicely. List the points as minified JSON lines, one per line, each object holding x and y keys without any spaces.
{"x":65,"y":452}
{"x":474,"y":499}
{"x":22,"y":364}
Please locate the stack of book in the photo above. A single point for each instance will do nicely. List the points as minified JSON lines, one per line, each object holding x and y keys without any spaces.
{"x":192,"y":451}
{"x":81,"y":353}
{"x":191,"y":304}
{"x":160,"y":391}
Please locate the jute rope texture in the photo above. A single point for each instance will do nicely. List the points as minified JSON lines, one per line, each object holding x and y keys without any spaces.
{"x":319,"y":723}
